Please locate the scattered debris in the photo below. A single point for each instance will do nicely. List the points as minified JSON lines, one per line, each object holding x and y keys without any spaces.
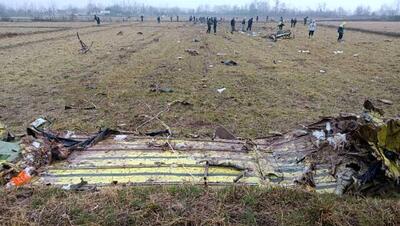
{"x":192,"y":52}
{"x":156,"y":39}
{"x":196,"y":40}
{"x":281,"y":35}
{"x":221,"y":54}
{"x":356,"y":55}
{"x":210,"y":66}
{"x":221,"y":90}
{"x":304,"y":51}
{"x":337,"y":52}
{"x":120,"y":33}
{"x":350,"y":153}
{"x":322,"y":71}
{"x":385,"y":101}
{"x":179,"y":58}
{"x":140,"y":33}
{"x":229,"y":63}
{"x":22,"y":178}
{"x":84,"y":48}
{"x":156,"y":88}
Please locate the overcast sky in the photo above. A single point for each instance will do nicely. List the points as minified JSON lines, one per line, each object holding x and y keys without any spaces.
{"x":300,"y":4}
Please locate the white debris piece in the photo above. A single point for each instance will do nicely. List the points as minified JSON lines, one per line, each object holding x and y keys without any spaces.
{"x":38,"y":122}
{"x":120,"y":137}
{"x":322,"y":71}
{"x":36,"y":144}
{"x":320,"y":135}
{"x":69,"y":134}
{"x":66,"y":187}
{"x":337,"y":141}
{"x":304,"y":51}
{"x":221,"y":90}
{"x":338,"y":52}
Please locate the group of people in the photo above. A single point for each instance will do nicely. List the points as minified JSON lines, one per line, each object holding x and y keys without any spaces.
{"x":212,"y":21}
{"x":313,"y":26}
{"x":293,"y":22}
{"x":244,"y":29}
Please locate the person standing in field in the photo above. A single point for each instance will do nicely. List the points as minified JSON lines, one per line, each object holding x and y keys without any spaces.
{"x":257,"y":19}
{"x":215,"y":22}
{"x":305,"y":20}
{"x":158,"y":19}
{"x":141,"y":18}
{"x":244,"y":24}
{"x":209,"y":23}
{"x":233,"y":23}
{"x":311,"y":28}
{"x":250,"y":24}
{"x":281,"y":25}
{"x":341,"y":32}
{"x":97,"y":19}
{"x":294,"y":22}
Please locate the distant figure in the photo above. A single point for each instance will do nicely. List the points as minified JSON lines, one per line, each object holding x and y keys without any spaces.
{"x":341,"y":32}
{"x":244,"y":24}
{"x":281,"y":25}
{"x":194,"y":19}
{"x":177,"y":18}
{"x":257,"y":19}
{"x":291,"y":22}
{"x":294,"y":22}
{"x":190,"y":18}
{"x":233,"y":23}
{"x":250,"y":24}
{"x":311,"y":28}
{"x":141,"y":18}
{"x":281,"y":19}
{"x":97,"y":19}
{"x":170,"y":18}
{"x":209,"y":23}
{"x":267,"y":18}
{"x":215,"y":22}
{"x":159,"y":19}
{"x":305,"y":20}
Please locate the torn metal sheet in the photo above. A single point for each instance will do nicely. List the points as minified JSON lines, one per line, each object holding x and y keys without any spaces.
{"x":146,"y":161}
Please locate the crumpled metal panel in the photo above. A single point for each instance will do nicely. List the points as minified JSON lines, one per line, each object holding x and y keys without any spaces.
{"x":145,"y":161}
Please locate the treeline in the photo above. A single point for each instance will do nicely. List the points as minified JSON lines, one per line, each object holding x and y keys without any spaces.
{"x":271,"y":8}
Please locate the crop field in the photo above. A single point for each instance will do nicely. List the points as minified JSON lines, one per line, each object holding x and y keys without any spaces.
{"x":127,"y":78}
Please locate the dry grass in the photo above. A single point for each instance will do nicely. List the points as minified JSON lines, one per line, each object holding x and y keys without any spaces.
{"x":43,"y":73}
{"x":187,"y":205}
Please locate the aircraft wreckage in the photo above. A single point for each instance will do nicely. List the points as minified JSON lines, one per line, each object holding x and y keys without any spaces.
{"x":345,"y":154}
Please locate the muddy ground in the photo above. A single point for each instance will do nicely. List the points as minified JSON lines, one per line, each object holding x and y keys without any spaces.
{"x":274,"y":87}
